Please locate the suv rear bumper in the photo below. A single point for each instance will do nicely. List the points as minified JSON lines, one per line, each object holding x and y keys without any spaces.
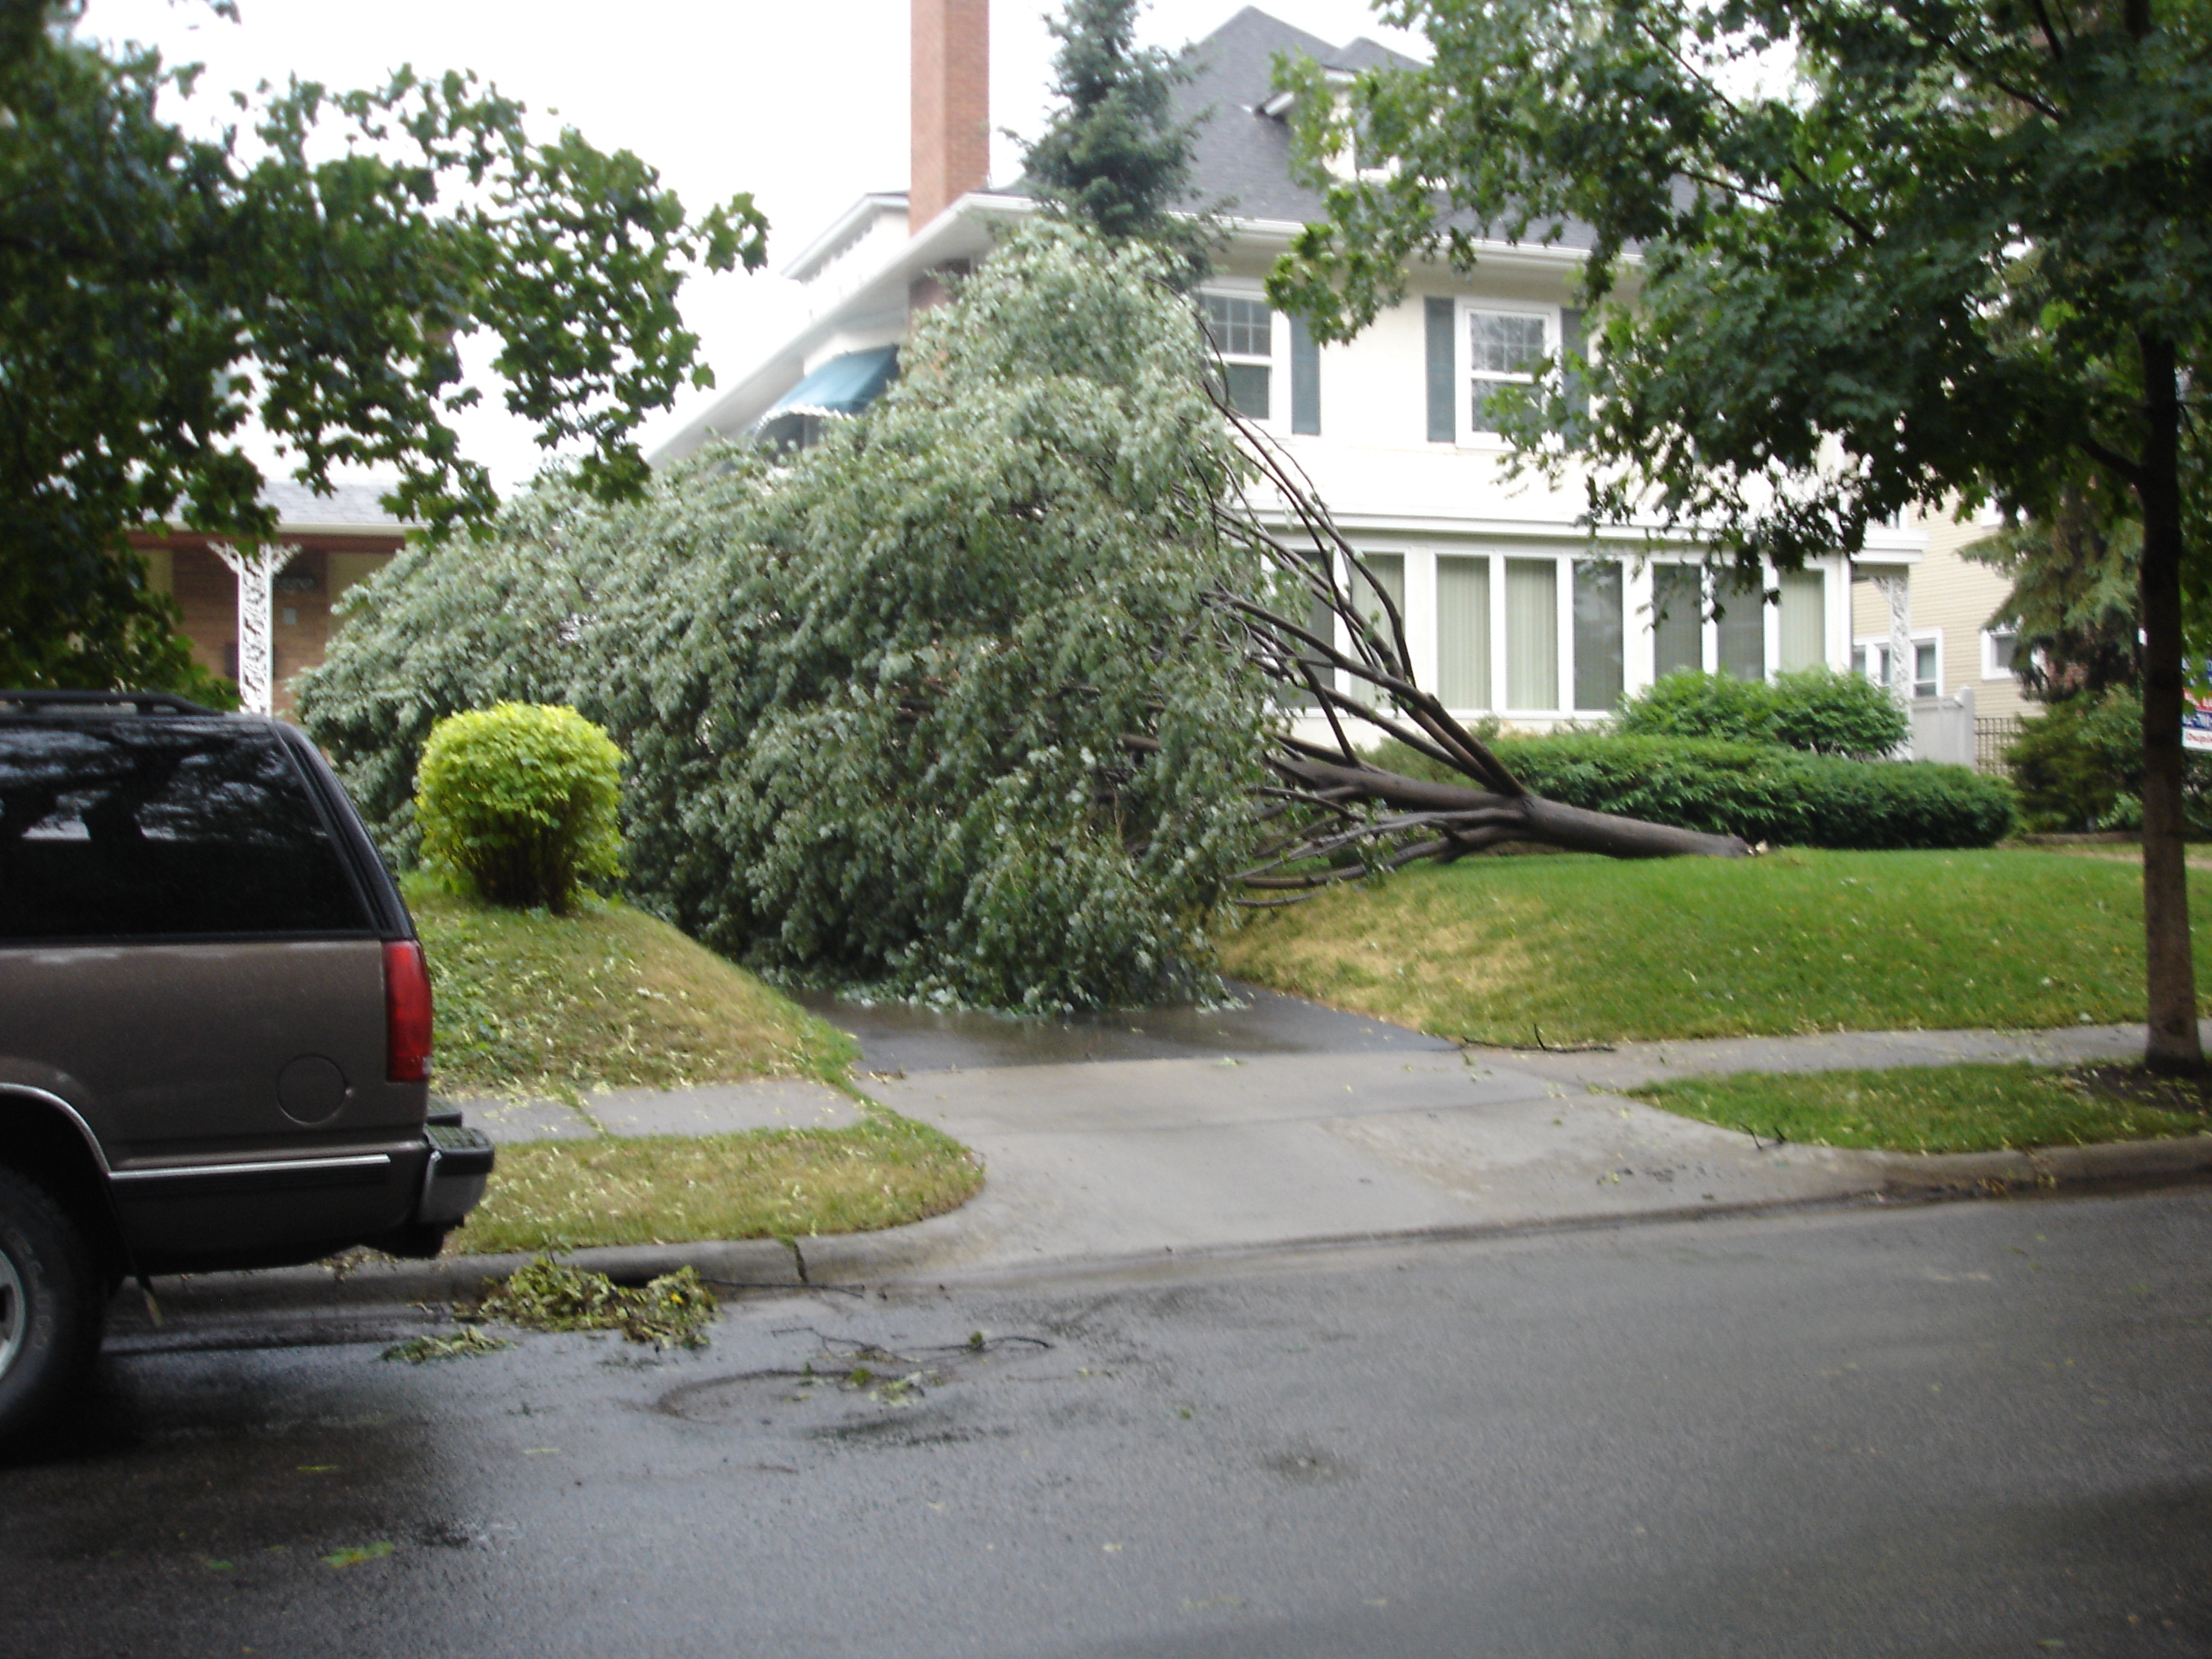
{"x":454,"y":1174}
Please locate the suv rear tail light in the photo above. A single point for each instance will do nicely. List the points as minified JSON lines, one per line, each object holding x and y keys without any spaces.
{"x":406,"y":1012}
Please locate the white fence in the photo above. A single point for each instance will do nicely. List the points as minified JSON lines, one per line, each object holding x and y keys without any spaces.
{"x":1943,"y":728}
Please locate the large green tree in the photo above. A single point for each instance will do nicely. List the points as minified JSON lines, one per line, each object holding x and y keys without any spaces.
{"x":309,"y":271}
{"x":1850,"y":257}
{"x":935,"y":708}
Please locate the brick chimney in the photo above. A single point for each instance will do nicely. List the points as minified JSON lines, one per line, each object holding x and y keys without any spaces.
{"x":951,"y":105}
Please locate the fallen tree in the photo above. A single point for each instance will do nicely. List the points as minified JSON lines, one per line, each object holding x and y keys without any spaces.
{"x":979,"y":700}
{"x":1333,"y":813}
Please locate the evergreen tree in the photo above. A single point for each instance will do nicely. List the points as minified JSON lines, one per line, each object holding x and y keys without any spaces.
{"x":2076,"y":576}
{"x":1113,"y":156}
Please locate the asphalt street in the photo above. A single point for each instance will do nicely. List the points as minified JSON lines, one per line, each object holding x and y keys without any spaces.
{"x":1958,"y":1430}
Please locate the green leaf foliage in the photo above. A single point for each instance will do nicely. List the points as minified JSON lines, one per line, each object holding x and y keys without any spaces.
{"x":523,"y":802}
{"x":938,"y":709}
{"x":545,"y":1295}
{"x":1819,"y":710}
{"x":2079,"y":767}
{"x":309,"y":270}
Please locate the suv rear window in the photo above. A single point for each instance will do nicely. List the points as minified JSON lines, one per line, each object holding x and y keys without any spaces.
{"x":177,"y":827}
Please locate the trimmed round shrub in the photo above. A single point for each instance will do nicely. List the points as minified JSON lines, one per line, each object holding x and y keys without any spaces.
{"x":521,"y":801}
{"x":1819,"y":710}
{"x":2079,"y":766}
{"x":1825,"y":711}
{"x":1690,"y":704}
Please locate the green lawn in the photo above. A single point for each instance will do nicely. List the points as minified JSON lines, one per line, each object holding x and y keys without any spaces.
{"x":1938,"y":1109}
{"x":532,"y":1004}
{"x":773,"y":1183}
{"x":607,"y":998}
{"x":1584,"y":949}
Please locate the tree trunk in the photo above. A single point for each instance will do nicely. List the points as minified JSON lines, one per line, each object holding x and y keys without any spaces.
{"x":1488,"y":818}
{"x":2170,"y":969}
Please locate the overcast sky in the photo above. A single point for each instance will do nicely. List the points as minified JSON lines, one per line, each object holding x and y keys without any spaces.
{"x":804,"y":105}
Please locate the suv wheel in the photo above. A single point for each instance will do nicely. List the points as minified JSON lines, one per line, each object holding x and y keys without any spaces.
{"x":50,"y":1304}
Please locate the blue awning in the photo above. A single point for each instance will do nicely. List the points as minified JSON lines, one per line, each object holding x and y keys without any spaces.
{"x":844,"y":386}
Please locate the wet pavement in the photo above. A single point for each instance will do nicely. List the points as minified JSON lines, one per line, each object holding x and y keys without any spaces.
{"x":903,"y":1037}
{"x":1969,"y":1430}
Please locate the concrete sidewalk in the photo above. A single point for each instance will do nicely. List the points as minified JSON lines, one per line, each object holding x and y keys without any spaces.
{"x":1120,"y":1161}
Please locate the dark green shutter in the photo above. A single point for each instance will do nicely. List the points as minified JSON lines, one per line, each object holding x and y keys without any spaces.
{"x":1305,"y":378}
{"x":1444,"y":402}
{"x":1573,"y":353}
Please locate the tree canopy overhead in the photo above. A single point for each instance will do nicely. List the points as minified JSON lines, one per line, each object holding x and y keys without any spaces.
{"x":1861,"y":257}
{"x":310,"y":270}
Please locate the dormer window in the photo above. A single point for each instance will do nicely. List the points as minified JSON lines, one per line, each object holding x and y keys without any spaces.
{"x":1243,"y":333}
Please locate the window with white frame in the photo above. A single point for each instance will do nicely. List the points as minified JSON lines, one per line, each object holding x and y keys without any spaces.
{"x":2000,"y":646}
{"x":1870,"y":657}
{"x":1685,"y":606}
{"x":1504,"y":349}
{"x":1243,"y":333}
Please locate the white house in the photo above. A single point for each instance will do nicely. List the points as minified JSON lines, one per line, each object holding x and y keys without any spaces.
{"x":1510,"y":609}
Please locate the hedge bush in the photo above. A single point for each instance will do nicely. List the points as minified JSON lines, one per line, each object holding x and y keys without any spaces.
{"x":1758,"y":791}
{"x":522,"y":801}
{"x":1766,"y":793}
{"x":1819,"y":710}
{"x":2079,"y":766}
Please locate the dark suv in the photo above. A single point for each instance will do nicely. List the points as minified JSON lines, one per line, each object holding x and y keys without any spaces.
{"x":215,"y":1021}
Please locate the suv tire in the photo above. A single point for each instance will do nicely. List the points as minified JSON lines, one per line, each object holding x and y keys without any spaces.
{"x":51,"y":1307}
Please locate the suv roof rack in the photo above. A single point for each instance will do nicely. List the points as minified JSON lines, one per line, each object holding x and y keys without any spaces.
{"x":146,"y":703}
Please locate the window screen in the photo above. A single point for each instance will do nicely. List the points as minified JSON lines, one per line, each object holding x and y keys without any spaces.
{"x":1741,"y":629}
{"x":1804,"y":619}
{"x":1677,"y":618}
{"x":1463,"y":631}
{"x":1388,"y":571}
{"x":1598,"y":633}
{"x":175,"y":829}
{"x":1532,"y":634}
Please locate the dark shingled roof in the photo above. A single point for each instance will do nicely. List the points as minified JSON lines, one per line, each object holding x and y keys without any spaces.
{"x":347,"y":504}
{"x":1241,"y":159}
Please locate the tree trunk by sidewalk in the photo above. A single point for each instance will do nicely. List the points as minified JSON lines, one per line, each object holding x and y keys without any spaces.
{"x":2170,"y":974}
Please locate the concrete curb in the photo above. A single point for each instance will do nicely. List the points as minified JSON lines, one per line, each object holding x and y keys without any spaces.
{"x":2050,"y":1166}
{"x":340,"y":1302}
